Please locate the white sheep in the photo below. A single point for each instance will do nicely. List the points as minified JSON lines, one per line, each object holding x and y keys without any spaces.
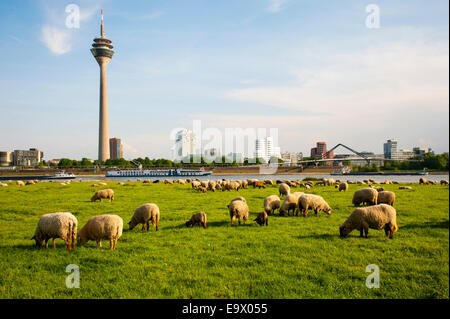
{"x":101,"y":227}
{"x":56,"y":225}
{"x":314,"y":202}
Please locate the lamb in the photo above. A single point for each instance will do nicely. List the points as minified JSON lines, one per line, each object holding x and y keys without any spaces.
{"x":386,"y":197}
{"x":101,"y":227}
{"x":284,"y":189}
{"x":262,"y":219}
{"x":366,"y":196}
{"x":104,"y":193}
{"x":375,"y":217}
{"x":271,"y":203}
{"x":314,"y":202}
{"x":343,"y":186}
{"x":143,"y":215}
{"x":259,"y":184}
{"x":56,"y":225}
{"x":197,"y":218}
{"x":238,"y":209}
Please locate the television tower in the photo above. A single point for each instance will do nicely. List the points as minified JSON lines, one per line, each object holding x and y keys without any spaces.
{"x":102,"y":51}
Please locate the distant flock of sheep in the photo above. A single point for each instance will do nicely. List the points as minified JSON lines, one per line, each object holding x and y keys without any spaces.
{"x":380,"y":214}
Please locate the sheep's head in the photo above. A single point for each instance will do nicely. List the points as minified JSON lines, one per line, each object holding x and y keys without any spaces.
{"x":189,"y":223}
{"x":344,"y":230}
{"x":81,"y":240}
{"x":39,"y":241}
{"x":327,"y":210}
{"x":131,"y":224}
{"x":93,"y":198}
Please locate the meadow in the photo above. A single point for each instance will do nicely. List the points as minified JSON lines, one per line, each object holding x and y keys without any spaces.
{"x":293,"y":257}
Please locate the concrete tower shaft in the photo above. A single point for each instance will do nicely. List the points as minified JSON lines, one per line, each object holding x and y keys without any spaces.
{"x":102,"y":51}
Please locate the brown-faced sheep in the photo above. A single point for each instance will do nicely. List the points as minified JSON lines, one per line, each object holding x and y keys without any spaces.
{"x":262,"y":219}
{"x":143,"y":215}
{"x":101,"y":227}
{"x":56,"y":225}
{"x":381,"y":216}
{"x":423,"y":181}
{"x":386,"y":197}
{"x":365,"y":196}
{"x":271,"y":203}
{"x":343,"y":186}
{"x":314,"y":202}
{"x":238,"y":209}
{"x":103,"y":193}
{"x":284,"y":189}
{"x":197,"y":219}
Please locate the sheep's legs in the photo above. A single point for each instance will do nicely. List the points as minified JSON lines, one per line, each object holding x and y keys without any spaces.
{"x":143,"y":227}
{"x":54,"y":246}
{"x":46,"y":243}
{"x":99,"y":244}
{"x":361,"y":233}
{"x":366,"y":231}
{"x":74,"y":240}
{"x":111,"y":244}
{"x":148,"y":225}
{"x":115,"y":243}
{"x":232,"y":220}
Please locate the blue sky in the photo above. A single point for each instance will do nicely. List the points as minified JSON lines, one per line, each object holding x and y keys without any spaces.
{"x":311,"y":69}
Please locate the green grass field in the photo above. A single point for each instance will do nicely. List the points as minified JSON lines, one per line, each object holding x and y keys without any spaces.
{"x":294,"y":257}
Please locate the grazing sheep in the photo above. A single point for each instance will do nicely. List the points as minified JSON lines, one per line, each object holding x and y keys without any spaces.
{"x":284,"y":189}
{"x":56,"y":225}
{"x":143,"y":215}
{"x":314,"y":202}
{"x":380,"y":189}
{"x":3,"y":185}
{"x":271,"y":203}
{"x":103,"y":193}
{"x":138,"y":180}
{"x":212,"y":185}
{"x":147,"y":181}
{"x":20,"y":183}
{"x":188,"y":180}
{"x":168,"y":181}
{"x":156,"y":181}
{"x":343,"y":186}
{"x":238,"y":209}
{"x":444,"y":182}
{"x":405,"y":187}
{"x":30,"y":183}
{"x":262,"y":219}
{"x":329,"y":182}
{"x":268,"y":182}
{"x":231,"y":185}
{"x":259,"y":184}
{"x":181,"y":181}
{"x":195,"y":184}
{"x":101,"y":227}
{"x":365,"y":196}
{"x":202,"y":189}
{"x":376,"y":217}
{"x":197,"y":218}
{"x":290,"y":203}
{"x":386,"y":197}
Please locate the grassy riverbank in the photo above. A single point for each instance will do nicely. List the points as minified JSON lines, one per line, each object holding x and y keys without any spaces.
{"x":294,"y":257}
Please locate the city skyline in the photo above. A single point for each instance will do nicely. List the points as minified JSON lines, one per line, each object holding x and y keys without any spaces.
{"x":262,"y":63}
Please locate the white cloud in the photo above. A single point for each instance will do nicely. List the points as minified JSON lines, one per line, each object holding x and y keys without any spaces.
{"x":388,"y":79}
{"x":277,"y":5}
{"x":57,"y":40}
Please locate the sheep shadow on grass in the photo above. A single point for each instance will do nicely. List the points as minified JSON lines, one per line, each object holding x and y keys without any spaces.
{"x":431,"y":224}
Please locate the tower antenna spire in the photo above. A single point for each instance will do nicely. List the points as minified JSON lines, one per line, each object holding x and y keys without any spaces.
{"x":102,"y":28}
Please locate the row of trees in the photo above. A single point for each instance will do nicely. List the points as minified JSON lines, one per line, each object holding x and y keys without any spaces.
{"x":431,"y":161}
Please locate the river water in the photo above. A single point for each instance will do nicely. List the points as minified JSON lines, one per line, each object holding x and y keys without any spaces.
{"x":378,"y":178}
